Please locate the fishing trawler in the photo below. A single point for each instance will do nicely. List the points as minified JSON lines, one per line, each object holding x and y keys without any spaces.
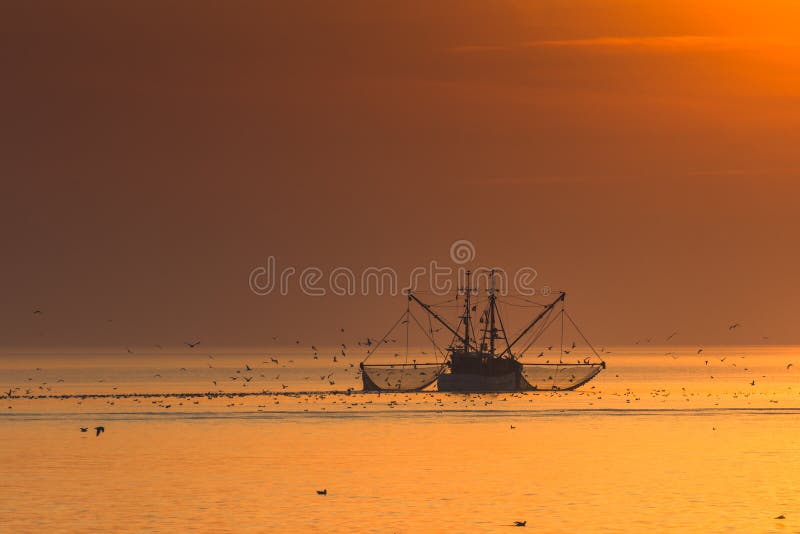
{"x":491,"y":362}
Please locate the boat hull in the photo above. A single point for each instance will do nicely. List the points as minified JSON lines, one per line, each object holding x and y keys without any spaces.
{"x":475,"y":382}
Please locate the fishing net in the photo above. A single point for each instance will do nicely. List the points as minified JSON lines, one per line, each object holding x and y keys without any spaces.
{"x":559,"y":376}
{"x":400,"y":376}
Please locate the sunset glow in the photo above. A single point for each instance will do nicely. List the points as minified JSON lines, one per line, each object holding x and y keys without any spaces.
{"x":237,"y":235}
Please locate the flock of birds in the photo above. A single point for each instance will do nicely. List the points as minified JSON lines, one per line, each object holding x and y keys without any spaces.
{"x":264,"y":378}
{"x":272,"y":368}
{"x":723,"y":359}
{"x":275,"y":378}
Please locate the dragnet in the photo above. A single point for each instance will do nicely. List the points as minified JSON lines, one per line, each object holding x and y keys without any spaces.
{"x":559,"y":376}
{"x":400,"y":376}
{"x":402,"y":372}
{"x":565,"y":341}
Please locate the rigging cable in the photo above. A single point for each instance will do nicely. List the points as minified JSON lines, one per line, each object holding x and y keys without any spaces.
{"x":370,"y":353}
{"x":585,"y":339}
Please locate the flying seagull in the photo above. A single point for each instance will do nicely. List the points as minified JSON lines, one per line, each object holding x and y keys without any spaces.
{"x":99,"y":430}
{"x":192,"y":344}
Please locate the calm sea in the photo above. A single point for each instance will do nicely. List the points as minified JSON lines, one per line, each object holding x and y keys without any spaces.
{"x":659,"y":442}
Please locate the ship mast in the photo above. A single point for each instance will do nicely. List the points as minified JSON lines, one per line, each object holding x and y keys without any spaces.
{"x":490,"y":317}
{"x":466,"y":317}
{"x":492,"y":303}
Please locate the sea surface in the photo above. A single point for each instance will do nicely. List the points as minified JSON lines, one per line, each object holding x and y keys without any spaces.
{"x":666,"y":439}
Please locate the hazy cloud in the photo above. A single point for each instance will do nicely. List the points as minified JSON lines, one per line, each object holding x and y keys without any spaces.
{"x":655,"y":43}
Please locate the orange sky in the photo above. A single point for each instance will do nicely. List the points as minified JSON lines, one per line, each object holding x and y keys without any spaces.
{"x":641,"y":155}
